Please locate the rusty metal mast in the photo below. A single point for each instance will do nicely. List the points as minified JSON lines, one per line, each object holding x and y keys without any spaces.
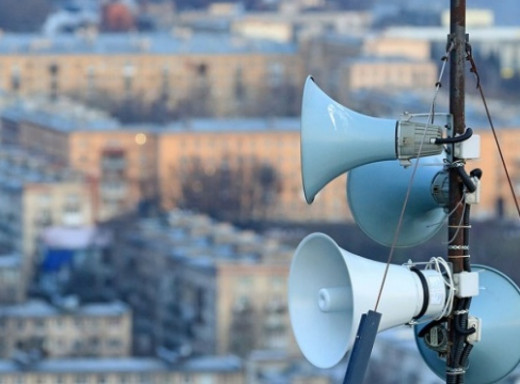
{"x":458,"y":247}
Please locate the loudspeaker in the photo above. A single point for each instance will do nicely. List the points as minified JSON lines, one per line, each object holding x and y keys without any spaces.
{"x":376,"y":193}
{"x":498,"y":352}
{"x":335,"y":139}
{"x":330,"y":288}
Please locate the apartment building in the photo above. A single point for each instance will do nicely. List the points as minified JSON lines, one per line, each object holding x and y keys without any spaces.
{"x":388,"y":74}
{"x":202,"y":370}
{"x":97,"y":329}
{"x":241,"y":141}
{"x":12,"y":287}
{"x":496,"y":199}
{"x":71,"y":261}
{"x":390,"y":64}
{"x":226,"y":73}
{"x":36,"y":193}
{"x":128,"y":165}
{"x":205,"y":287}
{"x":119,"y":164}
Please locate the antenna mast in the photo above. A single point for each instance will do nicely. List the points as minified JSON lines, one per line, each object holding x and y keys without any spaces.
{"x":458,"y":246}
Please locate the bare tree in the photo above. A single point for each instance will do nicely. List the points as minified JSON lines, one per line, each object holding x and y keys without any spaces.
{"x":232,"y":190}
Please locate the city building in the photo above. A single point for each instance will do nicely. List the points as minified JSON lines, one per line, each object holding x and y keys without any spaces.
{"x":189,"y":73}
{"x":243,"y":142}
{"x":204,"y":287}
{"x":119,"y":165}
{"x":72,"y":261}
{"x":36,"y":193}
{"x":488,"y":42}
{"x":12,"y":287}
{"x":496,"y":197}
{"x":388,"y":74}
{"x":66,"y":329}
{"x":127,"y":166}
{"x":216,"y":370}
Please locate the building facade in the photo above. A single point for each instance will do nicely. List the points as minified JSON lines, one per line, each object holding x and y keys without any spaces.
{"x":205,"y":287}
{"x":101,"y":330}
{"x":37,"y":193}
{"x":223,"y":74}
{"x":224,"y":370}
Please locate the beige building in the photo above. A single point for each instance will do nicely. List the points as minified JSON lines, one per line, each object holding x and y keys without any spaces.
{"x":496,"y":198}
{"x":235,"y":141}
{"x":222,"y":74}
{"x":128,"y":165}
{"x":139,"y":163}
{"x":383,"y":46}
{"x":389,"y":74}
{"x":101,"y":330}
{"x":119,"y":165}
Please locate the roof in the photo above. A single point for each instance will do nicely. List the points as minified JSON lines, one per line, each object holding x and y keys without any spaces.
{"x":234,"y":124}
{"x":73,"y":237}
{"x":438,"y":34}
{"x":42,"y":309}
{"x":127,"y":365}
{"x":134,"y":43}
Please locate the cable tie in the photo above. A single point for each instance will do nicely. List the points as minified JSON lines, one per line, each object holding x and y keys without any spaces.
{"x":459,"y":257}
{"x":456,"y":164}
{"x":459,"y":247}
{"x":455,"y":371}
{"x":459,"y":226}
{"x":461,"y":312}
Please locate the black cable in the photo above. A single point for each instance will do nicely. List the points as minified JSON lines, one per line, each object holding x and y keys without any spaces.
{"x":465,"y":355}
{"x":466,"y":179}
{"x":457,"y":139}
{"x":430,"y":325}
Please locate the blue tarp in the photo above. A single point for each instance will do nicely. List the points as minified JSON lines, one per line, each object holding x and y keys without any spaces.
{"x":55,"y":259}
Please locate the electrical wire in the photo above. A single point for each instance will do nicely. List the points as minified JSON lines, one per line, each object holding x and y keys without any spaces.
{"x":439,"y":263}
{"x":412,"y":176}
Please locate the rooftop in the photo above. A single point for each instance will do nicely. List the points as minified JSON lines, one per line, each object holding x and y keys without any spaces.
{"x":175,"y":43}
{"x":39,"y":308}
{"x":125,"y":365}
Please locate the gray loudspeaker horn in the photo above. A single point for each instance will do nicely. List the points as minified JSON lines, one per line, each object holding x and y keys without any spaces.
{"x":330,"y":288}
{"x":335,"y":139}
{"x":376,"y":194}
{"x":498,"y":352}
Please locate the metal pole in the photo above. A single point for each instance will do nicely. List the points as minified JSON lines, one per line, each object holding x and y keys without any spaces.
{"x":458,"y":252}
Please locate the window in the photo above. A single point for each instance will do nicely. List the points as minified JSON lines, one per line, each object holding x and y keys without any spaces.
{"x":81,"y":379}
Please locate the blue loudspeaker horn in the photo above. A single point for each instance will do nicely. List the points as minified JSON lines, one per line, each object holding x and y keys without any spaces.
{"x":376,"y":193}
{"x":335,"y":139}
{"x":498,"y":351}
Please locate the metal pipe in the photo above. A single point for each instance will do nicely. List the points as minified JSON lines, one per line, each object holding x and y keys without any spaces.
{"x":458,"y":247}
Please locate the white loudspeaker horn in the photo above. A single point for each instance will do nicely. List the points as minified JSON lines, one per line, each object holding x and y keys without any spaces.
{"x":497,"y":305}
{"x":330,"y":288}
{"x":376,"y":194}
{"x":335,"y":139}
